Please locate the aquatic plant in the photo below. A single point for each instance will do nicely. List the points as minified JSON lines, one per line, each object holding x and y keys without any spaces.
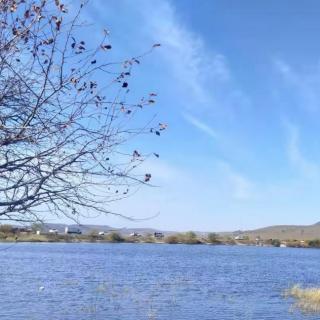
{"x":307,"y":299}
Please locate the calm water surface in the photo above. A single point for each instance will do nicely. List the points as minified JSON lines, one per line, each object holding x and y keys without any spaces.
{"x":149,"y":281}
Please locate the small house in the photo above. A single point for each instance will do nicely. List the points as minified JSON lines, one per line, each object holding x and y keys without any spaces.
{"x":158,"y":235}
{"x":135,"y":234}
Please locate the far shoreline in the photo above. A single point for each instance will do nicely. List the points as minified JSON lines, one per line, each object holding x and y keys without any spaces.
{"x":82,"y":241}
{"x":39,"y":234}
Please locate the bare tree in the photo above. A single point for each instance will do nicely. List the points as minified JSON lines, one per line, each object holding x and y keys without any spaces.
{"x":64,"y":116}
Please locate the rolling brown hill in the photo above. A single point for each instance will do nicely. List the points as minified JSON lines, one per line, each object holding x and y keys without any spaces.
{"x":286,"y":232}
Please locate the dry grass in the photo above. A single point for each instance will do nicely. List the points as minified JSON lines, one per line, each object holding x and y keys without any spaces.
{"x":308,"y":299}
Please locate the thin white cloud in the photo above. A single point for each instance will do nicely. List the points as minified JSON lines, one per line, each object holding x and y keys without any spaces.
{"x":198,"y":124}
{"x":304,"y":84}
{"x":307,"y":168}
{"x":198,"y":74}
{"x":190,"y":61}
{"x":238,"y":185}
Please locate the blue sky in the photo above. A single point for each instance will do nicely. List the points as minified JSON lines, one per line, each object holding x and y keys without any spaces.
{"x":238,"y":84}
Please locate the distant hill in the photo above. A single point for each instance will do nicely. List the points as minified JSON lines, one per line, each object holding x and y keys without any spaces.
{"x":285,"y":232}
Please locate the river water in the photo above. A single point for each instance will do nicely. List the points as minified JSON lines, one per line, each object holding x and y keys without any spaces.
{"x":152,"y":281}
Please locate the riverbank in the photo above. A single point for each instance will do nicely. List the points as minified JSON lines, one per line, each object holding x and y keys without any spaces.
{"x":179,"y":238}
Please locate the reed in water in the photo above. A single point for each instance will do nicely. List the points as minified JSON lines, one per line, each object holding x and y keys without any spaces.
{"x":307,"y":299}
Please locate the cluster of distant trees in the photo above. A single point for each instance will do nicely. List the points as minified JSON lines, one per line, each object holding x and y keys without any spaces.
{"x":191,"y":237}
